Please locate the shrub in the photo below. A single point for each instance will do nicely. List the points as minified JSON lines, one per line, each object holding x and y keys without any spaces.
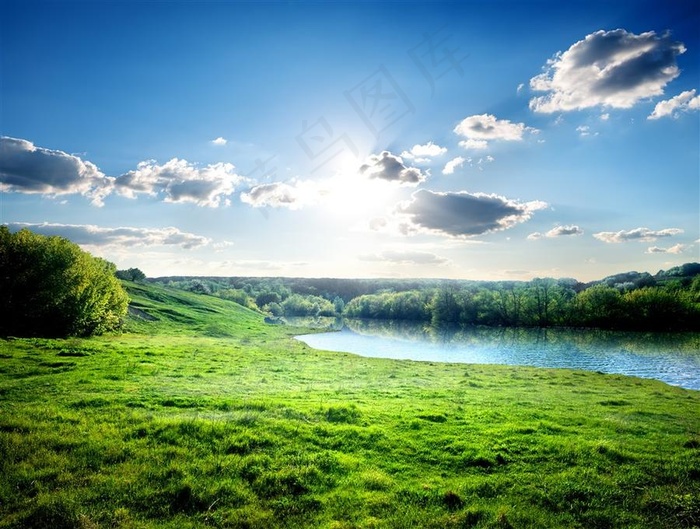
{"x":53,"y":288}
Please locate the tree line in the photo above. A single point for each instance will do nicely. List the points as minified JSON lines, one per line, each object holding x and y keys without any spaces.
{"x":669,"y":300}
{"x":541,"y":303}
{"x":50,"y":287}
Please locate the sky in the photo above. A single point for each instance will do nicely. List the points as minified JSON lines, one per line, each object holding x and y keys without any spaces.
{"x":485,"y":140}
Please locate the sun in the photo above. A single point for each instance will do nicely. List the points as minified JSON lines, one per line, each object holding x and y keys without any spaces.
{"x":352,"y":196}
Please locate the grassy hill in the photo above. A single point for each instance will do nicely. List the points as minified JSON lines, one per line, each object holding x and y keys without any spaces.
{"x":156,"y":309}
{"x":200,"y":415}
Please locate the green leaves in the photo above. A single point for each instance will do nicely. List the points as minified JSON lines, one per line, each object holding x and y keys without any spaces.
{"x":53,"y":288}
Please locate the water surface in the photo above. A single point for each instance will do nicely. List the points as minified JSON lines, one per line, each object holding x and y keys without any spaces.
{"x":673,"y":358}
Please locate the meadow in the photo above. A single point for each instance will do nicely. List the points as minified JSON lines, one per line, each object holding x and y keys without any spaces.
{"x":201,"y":415}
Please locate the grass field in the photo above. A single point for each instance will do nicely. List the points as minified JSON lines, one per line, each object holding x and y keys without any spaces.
{"x":200,"y":415}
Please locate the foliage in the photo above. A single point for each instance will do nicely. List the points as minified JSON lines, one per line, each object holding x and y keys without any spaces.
{"x":667,"y":301}
{"x":132,"y":274}
{"x":298,"y":305}
{"x":173,"y":427}
{"x":50,"y":287}
{"x":411,"y":305}
{"x":237,"y":296}
{"x":540,"y":303}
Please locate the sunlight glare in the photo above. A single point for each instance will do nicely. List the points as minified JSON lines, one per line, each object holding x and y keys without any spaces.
{"x":351,"y":195}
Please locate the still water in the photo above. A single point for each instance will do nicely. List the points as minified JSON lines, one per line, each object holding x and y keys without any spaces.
{"x":673,"y":358}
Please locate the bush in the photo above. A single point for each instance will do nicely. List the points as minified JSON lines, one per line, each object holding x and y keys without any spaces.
{"x":132,"y":274}
{"x":53,"y":288}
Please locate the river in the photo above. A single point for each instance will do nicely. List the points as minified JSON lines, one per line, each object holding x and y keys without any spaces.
{"x":673,"y":358}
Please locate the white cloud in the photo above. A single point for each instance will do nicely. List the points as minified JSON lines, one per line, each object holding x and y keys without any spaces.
{"x":405,"y":257}
{"x":220,"y":141}
{"x":480,"y":129}
{"x":676,"y":249}
{"x":474,"y":145}
{"x":389,"y":167}
{"x":25,"y":168}
{"x":637,"y":234}
{"x":181,"y":181}
{"x":424,"y":153}
{"x":378,"y":223}
{"x":487,"y":127}
{"x":91,"y":235}
{"x":453,"y":164}
{"x":683,"y":102}
{"x":255,"y":267}
{"x":585,"y":130}
{"x":604,"y":117}
{"x":559,"y":231}
{"x":462,"y":214}
{"x":294,"y":195}
{"x":607,"y":68}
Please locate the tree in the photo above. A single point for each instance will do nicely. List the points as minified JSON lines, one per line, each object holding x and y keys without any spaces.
{"x":265,"y":298}
{"x":510,"y":298}
{"x":50,"y":287}
{"x":444,"y":307}
{"x":132,"y":274}
{"x":599,"y":306}
{"x":660,"y":309}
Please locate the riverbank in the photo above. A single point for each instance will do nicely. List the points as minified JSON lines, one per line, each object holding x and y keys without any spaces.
{"x":207,"y":417}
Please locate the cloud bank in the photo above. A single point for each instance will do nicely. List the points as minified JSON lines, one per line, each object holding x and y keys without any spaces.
{"x":87,"y":234}
{"x":405,"y":257}
{"x":676,"y":249}
{"x":180,"y":181}
{"x":389,"y":167}
{"x":637,"y":234}
{"x":462,"y":214}
{"x":25,"y":168}
{"x":607,"y":68}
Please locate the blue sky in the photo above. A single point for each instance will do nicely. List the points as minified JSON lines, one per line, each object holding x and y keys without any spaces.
{"x":476,"y":140}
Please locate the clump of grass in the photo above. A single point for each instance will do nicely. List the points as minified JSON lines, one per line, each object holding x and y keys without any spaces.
{"x":433,"y":417}
{"x":55,"y":511}
{"x":343,"y":414}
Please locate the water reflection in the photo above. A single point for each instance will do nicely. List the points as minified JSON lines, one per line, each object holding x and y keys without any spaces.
{"x":673,"y":358}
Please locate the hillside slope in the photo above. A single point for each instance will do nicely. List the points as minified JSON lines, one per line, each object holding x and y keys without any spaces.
{"x":156,"y":309}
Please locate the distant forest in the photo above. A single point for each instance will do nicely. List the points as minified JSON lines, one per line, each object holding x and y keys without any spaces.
{"x":666,"y":301}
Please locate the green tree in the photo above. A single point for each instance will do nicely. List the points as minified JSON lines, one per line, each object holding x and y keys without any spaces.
{"x":132,"y":274}
{"x":444,"y":307}
{"x":599,"y":306}
{"x":265,"y":298}
{"x":238,"y":296}
{"x":509,"y":303}
{"x":547,"y":302}
{"x":660,"y":309}
{"x":298,"y":305}
{"x":50,"y":287}
{"x":274,"y":308}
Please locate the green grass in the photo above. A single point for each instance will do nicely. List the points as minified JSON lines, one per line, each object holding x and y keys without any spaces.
{"x":203,"y":416}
